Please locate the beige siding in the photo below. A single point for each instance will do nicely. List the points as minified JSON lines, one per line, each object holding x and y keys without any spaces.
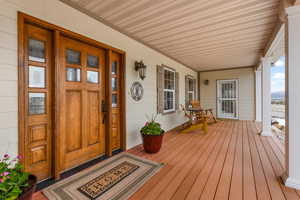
{"x":208,"y":93}
{"x":62,"y":15}
{"x":8,"y":80}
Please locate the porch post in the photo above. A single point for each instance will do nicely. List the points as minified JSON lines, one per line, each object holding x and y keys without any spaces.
{"x":266,"y":97}
{"x":292,"y":176}
{"x":258,"y":98}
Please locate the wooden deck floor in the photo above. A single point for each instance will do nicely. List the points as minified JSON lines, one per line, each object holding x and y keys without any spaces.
{"x":231,"y":162}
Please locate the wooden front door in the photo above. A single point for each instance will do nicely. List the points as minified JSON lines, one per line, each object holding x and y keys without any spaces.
{"x":82,"y":120}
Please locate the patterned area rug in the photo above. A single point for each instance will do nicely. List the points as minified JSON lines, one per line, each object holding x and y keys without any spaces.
{"x":113,"y":179}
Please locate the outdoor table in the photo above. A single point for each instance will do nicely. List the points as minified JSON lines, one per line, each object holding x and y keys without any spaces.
{"x":196,"y":123}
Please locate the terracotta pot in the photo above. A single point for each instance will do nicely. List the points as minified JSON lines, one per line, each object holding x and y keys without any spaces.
{"x":28,"y":191}
{"x":152,"y":143}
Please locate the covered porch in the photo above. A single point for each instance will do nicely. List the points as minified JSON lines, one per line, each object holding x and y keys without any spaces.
{"x":75,"y":94}
{"x":231,"y":162}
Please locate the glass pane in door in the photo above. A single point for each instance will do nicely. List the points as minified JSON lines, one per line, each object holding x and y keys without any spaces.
{"x":73,"y":74}
{"x":73,"y":57}
{"x":36,"y":77}
{"x":92,"y":77}
{"x":92,"y":61}
{"x":37,"y":103}
{"x":36,"y":50}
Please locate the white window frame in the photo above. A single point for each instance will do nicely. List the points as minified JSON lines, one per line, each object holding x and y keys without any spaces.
{"x":170,"y":90}
{"x":191,"y":91}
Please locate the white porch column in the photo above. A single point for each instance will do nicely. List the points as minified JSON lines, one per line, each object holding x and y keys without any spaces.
{"x":292,"y":176}
{"x":266,"y":97}
{"x":258,"y":98}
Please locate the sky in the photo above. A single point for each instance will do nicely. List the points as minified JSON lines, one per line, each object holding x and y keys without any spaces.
{"x":277,"y":76}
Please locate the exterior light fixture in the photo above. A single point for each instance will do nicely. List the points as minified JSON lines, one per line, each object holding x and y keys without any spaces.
{"x":141,"y":68}
{"x":206,"y":82}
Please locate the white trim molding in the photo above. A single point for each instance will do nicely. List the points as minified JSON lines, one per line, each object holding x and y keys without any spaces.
{"x":258,"y":96}
{"x":292,"y":152}
{"x":277,"y":47}
{"x":266,"y":97}
{"x":290,"y":182}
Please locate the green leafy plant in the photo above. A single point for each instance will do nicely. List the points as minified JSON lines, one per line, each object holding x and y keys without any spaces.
{"x":152,"y":127}
{"x":12,"y":178}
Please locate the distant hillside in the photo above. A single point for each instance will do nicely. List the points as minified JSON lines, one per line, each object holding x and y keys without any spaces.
{"x":278,"y":95}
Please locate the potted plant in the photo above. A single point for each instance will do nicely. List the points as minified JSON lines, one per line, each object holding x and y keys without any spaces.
{"x":152,"y":135}
{"x":14,"y":182}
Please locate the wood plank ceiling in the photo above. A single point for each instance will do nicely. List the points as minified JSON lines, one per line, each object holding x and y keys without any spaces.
{"x":202,"y":34}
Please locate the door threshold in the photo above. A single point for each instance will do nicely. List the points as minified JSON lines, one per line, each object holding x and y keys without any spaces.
{"x":47,"y":182}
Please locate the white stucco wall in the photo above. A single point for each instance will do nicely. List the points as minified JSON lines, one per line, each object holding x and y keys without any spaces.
{"x":208,"y":93}
{"x":62,"y":15}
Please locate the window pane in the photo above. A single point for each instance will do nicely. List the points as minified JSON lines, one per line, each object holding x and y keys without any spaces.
{"x":92,"y":61}
{"x":191,"y":97}
{"x":114,"y":100}
{"x":36,"y":77}
{"x":92,"y":77}
{"x":73,"y":74}
{"x":36,"y":103}
{"x":73,"y":57}
{"x":191,"y":84}
{"x":114,"y":84}
{"x":114,"y":67}
{"x":36,"y":50}
{"x":168,"y":100}
{"x":169,"y":80}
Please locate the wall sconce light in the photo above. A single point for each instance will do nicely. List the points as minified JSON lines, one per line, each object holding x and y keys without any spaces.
{"x":141,"y":68}
{"x":206,"y":82}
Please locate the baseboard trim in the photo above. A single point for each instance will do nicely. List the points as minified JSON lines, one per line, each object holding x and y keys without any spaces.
{"x":266,"y":133}
{"x":290,"y":182}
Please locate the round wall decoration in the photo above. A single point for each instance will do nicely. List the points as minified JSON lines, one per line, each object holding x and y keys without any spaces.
{"x":137,"y":91}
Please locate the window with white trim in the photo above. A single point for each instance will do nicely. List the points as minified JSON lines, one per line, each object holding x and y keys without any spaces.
{"x":191,"y":89}
{"x":169,"y":90}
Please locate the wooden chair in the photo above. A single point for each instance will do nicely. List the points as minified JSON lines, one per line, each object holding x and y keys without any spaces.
{"x":208,"y":112}
{"x":195,"y":121}
{"x":195,"y":104}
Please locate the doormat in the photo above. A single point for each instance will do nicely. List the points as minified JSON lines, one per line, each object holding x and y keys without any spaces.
{"x":113,"y":179}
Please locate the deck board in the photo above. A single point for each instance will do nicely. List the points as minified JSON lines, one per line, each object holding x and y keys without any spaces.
{"x":236,"y":185}
{"x":262,"y":188}
{"x":231,"y":162}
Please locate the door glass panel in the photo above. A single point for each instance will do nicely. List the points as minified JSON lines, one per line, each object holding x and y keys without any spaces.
{"x":92,"y":61}
{"x":37,"y":103}
{"x":73,"y":74}
{"x":36,"y":50}
{"x":92,"y":77}
{"x":36,"y":77}
{"x":114,"y":84}
{"x":114,"y":67}
{"x":73,"y":57}
{"x":114,"y":100}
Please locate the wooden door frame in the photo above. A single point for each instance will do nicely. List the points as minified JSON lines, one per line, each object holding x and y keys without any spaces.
{"x":57,"y":32}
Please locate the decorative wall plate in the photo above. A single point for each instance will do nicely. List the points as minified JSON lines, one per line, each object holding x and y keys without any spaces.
{"x":137,"y":91}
